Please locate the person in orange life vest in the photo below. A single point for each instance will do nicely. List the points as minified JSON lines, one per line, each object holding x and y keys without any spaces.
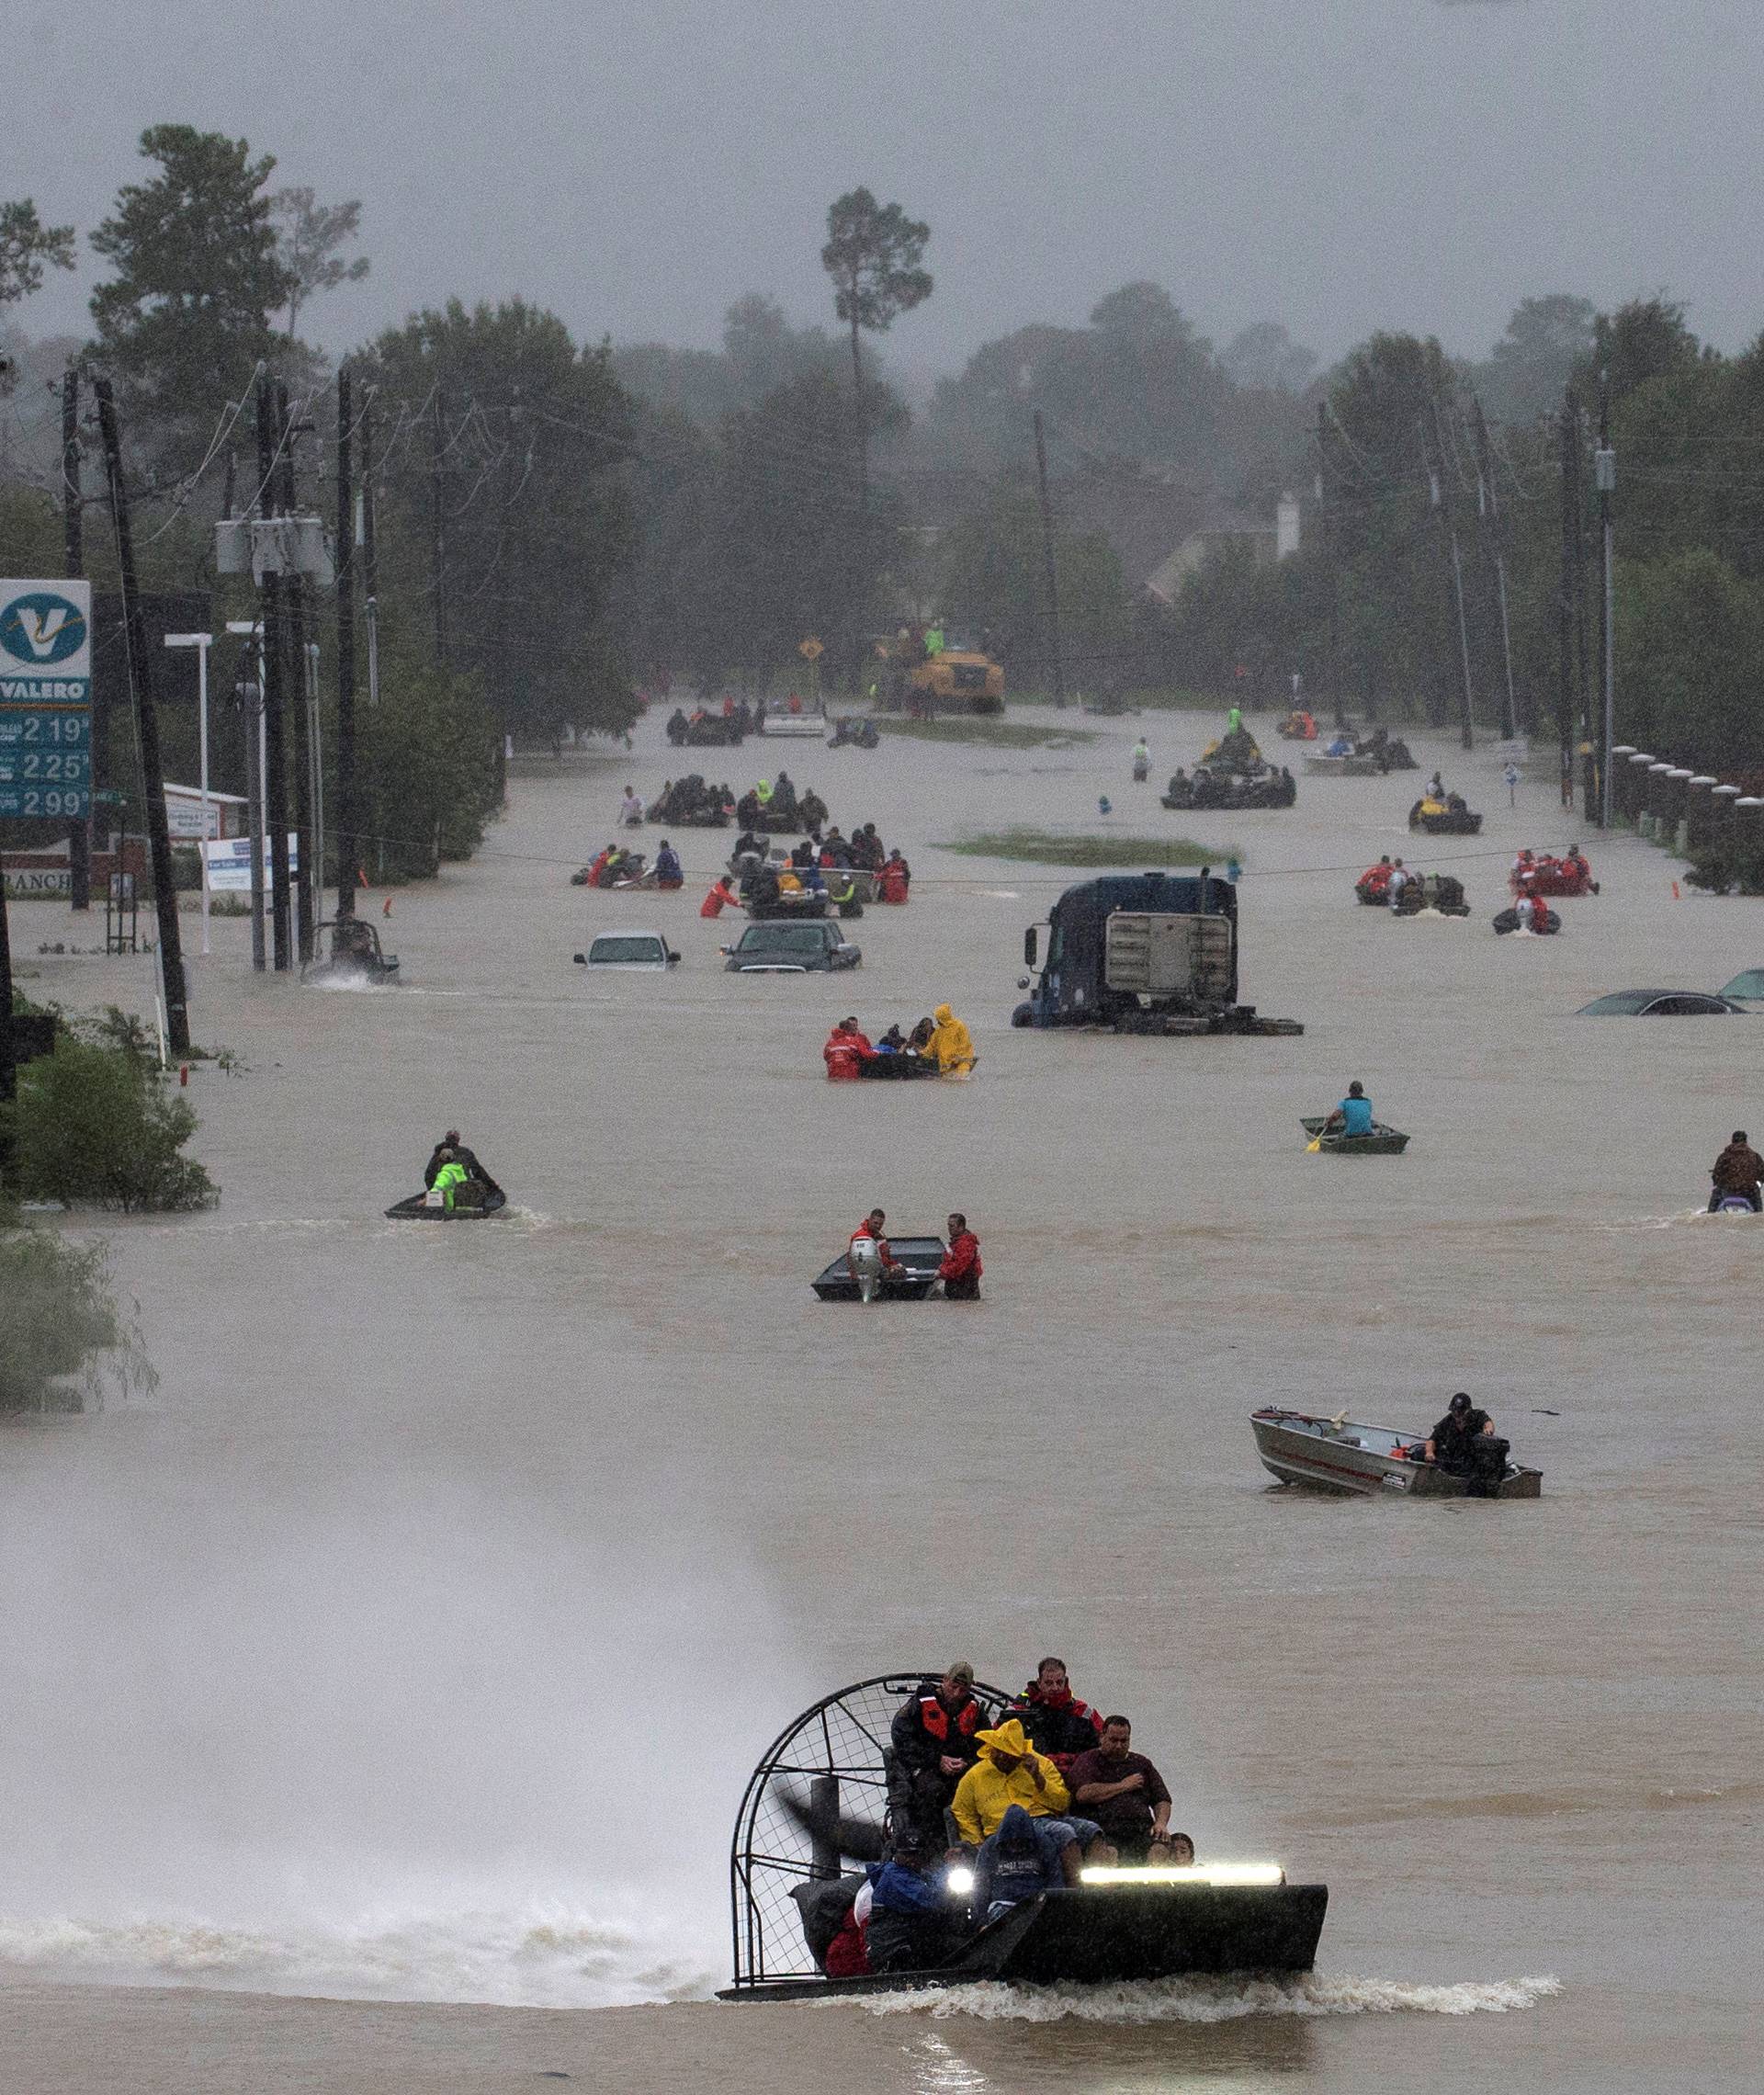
{"x":895,"y":878}
{"x":868,"y":1259}
{"x":846,"y":1051}
{"x":932,"y":1737}
{"x":1054,"y":1722}
{"x":718,"y":899}
{"x":961,"y":1269}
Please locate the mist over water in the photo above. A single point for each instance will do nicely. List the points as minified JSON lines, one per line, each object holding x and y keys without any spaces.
{"x":413,"y":1642}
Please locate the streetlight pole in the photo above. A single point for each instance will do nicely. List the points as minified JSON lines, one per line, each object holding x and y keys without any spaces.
{"x":201,"y":642}
{"x":258,"y":789}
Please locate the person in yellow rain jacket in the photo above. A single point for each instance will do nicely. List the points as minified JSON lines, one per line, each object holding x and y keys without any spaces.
{"x":1009,"y":1771}
{"x":951,"y":1044}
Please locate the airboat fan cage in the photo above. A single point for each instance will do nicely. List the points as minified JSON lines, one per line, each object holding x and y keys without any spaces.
{"x":818,"y":1797}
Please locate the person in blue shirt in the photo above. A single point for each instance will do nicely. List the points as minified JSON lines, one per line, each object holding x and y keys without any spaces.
{"x":913,"y":1925}
{"x":1355,"y":1113}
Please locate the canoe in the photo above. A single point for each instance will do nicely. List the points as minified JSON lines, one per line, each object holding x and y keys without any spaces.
{"x":1382,"y":1142}
{"x":1346,"y":1458}
{"x":919,"y":1255}
{"x":417,"y":1209}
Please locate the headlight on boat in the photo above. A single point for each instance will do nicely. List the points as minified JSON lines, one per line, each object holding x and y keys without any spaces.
{"x":959,"y":1879}
{"x":1195,"y":1872}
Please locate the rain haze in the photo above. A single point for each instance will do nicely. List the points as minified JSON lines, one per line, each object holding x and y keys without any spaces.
{"x":1402,"y":164}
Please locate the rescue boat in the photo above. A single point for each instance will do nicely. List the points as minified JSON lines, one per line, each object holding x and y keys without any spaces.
{"x":1336,"y":1454}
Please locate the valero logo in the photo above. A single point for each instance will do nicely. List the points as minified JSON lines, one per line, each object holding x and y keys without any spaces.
{"x":42,"y":629}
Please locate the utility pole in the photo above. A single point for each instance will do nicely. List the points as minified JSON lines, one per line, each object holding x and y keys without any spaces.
{"x":1326,"y":517}
{"x":79,"y":834}
{"x":141,"y":679}
{"x":346,"y":852}
{"x":9,"y":1049}
{"x":1567,"y":696}
{"x":306,"y":878}
{"x":1605,"y":478}
{"x":1488,"y":521}
{"x":274,"y":651}
{"x":1047,"y":560}
{"x":438,"y":543}
{"x":1433,"y":452}
{"x":370,"y":552}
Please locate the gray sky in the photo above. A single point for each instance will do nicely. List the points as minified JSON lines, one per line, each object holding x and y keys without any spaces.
{"x":1334,"y":164}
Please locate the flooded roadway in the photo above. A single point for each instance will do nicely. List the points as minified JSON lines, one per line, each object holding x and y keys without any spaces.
{"x":391,"y":1675}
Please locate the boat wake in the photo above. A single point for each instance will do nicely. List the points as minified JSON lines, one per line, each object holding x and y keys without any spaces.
{"x":534,"y":1959}
{"x":1225,"y":1999}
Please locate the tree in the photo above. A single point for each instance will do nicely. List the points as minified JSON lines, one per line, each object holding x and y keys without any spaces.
{"x":58,"y":1320}
{"x":1689,"y":636}
{"x":186,"y":316}
{"x":532,"y":436}
{"x":874,"y":254}
{"x":1531,"y":366}
{"x":307,"y":244}
{"x":995,"y":581}
{"x":1266,"y":357}
{"x":1645,"y":339}
{"x":27,"y":247}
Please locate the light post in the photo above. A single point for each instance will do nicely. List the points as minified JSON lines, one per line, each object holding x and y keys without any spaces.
{"x":201,"y":642}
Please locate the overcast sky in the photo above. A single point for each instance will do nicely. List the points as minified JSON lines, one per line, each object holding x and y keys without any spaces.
{"x":1334,"y":164}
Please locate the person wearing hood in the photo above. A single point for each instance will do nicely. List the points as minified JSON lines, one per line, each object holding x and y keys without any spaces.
{"x":1009,"y":1770}
{"x":450,"y":1148}
{"x":1022,"y":1860}
{"x":913,"y":1922}
{"x":1054,"y":1722}
{"x":951,"y":1045}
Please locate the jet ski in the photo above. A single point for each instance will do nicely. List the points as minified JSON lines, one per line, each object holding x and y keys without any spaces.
{"x":427,"y":1206}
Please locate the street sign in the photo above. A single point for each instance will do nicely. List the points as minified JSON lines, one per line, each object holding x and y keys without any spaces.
{"x":811,"y":649}
{"x":45,"y":699}
{"x":230,"y":864}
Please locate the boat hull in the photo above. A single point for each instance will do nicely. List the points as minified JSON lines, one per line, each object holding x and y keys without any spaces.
{"x":1096,"y":1936}
{"x":1359,"y":1461}
{"x":919,"y":1256}
{"x":1382,"y":1142}
{"x":416,"y":1210}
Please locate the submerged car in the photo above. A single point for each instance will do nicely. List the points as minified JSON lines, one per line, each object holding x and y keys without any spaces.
{"x":629,"y":949}
{"x":771,"y":948}
{"x":1658,"y":1003}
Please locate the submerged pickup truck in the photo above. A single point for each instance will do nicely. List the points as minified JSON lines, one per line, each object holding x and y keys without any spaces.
{"x":1141,"y":953}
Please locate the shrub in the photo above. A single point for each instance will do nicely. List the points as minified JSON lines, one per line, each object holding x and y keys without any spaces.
{"x":57,"y":1316}
{"x":1729,"y":861}
{"x":95,"y":1125}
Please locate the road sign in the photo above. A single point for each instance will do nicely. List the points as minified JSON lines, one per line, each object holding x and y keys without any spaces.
{"x":811,"y":649}
{"x":230,"y":864}
{"x":45,"y":699}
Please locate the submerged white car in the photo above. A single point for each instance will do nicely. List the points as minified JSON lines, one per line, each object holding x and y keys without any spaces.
{"x":630,"y":949}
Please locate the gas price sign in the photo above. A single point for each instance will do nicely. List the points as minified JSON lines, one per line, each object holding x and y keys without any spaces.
{"x":45,"y":699}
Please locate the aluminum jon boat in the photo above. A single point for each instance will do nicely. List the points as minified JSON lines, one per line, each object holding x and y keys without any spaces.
{"x":1335,"y":1454}
{"x":1382,"y":1142}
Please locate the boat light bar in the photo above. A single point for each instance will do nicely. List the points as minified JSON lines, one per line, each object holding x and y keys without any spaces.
{"x":1195,"y":1872}
{"x":960,"y":1878}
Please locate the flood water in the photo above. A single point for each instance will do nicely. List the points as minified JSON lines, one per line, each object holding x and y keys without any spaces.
{"x":385,"y":1682}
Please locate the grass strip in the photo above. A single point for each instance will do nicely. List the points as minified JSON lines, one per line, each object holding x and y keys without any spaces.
{"x":989,"y":733}
{"x":1041,"y":847}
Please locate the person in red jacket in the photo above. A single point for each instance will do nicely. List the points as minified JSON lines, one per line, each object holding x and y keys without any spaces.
{"x":961,"y":1269}
{"x":718,"y":899}
{"x":1054,"y":1722}
{"x":846,"y":1052}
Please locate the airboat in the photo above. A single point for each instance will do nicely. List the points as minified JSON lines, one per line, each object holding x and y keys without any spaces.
{"x":815,"y":1812}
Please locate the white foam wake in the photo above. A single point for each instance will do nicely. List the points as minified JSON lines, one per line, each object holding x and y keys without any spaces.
{"x":1223,"y":2000}
{"x":534,"y":1959}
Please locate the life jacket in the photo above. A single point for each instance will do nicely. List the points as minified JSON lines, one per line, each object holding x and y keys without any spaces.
{"x":894,"y":884}
{"x":934,"y":1718}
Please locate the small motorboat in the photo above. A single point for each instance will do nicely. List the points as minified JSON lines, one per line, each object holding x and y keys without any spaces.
{"x":355,"y":955}
{"x":1382,"y":1142}
{"x":919,"y":1257}
{"x":424,"y":1207}
{"x":1335,"y":1454}
{"x":817,"y":1804}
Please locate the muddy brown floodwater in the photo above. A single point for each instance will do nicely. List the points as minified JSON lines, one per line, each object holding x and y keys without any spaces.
{"x":380,"y":1691}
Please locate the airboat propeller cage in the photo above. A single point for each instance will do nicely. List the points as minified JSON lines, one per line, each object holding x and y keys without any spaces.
{"x":821,"y":1780}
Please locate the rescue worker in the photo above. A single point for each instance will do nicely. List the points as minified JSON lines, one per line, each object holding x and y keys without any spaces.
{"x":933,"y":1737}
{"x":1141,"y":761}
{"x":846,"y":1052}
{"x":669,"y":872}
{"x":450,"y":1146}
{"x":449,"y":1179}
{"x":961,"y":1269}
{"x":1463,"y":1444}
{"x":1054,"y":1720}
{"x":896,"y":878}
{"x":952,"y":1045}
{"x":868,"y":1258}
{"x":1739,"y":1169}
{"x":721,"y":897}
{"x":842,"y":891}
